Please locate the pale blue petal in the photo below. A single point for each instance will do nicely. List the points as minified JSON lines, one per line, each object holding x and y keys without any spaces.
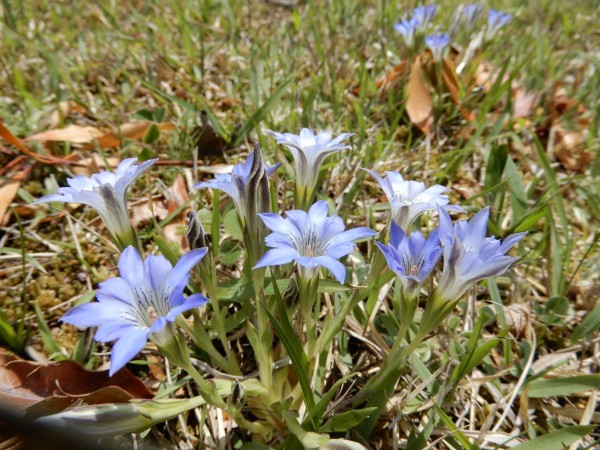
{"x":276,"y":257}
{"x":352,"y":235}
{"x":115,"y":289}
{"x":193,"y":301}
{"x":307,"y":261}
{"x":114,"y":330}
{"x":181,"y":272}
{"x":131,"y":267}
{"x":126,"y":348}
{"x":157,"y":269}
{"x":397,"y":234}
{"x":336,"y":268}
{"x":93,"y":314}
{"x":511,"y":240}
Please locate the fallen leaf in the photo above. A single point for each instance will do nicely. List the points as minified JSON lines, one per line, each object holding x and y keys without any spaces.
{"x":142,"y":212}
{"x":392,"y":77}
{"x":8,"y":190}
{"x":71,"y":133}
{"x":13,"y":140}
{"x":419,"y":105}
{"x":35,"y":389}
{"x":133,"y":130}
{"x":177,"y":194}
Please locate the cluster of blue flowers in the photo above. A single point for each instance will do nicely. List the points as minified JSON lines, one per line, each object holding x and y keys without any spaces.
{"x":145,"y":300}
{"x":416,"y":25}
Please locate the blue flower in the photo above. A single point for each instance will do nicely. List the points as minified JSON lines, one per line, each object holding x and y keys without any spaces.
{"x":424,"y":15}
{"x":139,"y":305}
{"x":311,"y":239}
{"x":407,"y":28}
{"x":237,"y":184}
{"x":437,"y":43}
{"x":411,"y":258}
{"x":409,"y":199}
{"x":309,"y":152}
{"x":106,"y":192}
{"x":470,"y":256}
{"x":496,"y":20}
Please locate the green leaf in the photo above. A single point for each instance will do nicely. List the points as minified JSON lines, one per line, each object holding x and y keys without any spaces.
{"x":233,"y":227}
{"x":556,"y":387}
{"x":589,"y":324}
{"x":152,"y":134}
{"x":49,"y":343}
{"x":556,"y":440}
{"x":260,"y":114}
{"x":346,"y":420}
{"x":321,"y":406}
{"x":530,"y":220}
{"x":300,"y":362}
{"x":495,"y":166}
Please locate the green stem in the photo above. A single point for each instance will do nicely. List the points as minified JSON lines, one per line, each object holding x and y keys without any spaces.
{"x":308,"y":295}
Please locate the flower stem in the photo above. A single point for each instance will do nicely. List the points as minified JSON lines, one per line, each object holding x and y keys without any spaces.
{"x":308,"y":295}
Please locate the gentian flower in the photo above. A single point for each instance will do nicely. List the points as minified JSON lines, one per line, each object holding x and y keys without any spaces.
{"x":407,"y":28}
{"x":409,"y":199}
{"x":311,"y":239}
{"x":470,"y":256}
{"x":139,"y":305}
{"x":309,"y":152}
{"x":437,"y":43}
{"x":496,"y":20}
{"x":106,"y":192}
{"x":239,"y":183}
{"x":411,"y":258}
{"x":424,"y":15}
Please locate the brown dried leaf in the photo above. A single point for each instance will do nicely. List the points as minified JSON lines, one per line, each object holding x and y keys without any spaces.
{"x":14,"y":140}
{"x":142,"y":212}
{"x":419,"y":105}
{"x":133,"y":130}
{"x":570,"y":149}
{"x":392,"y":76}
{"x":35,"y":388}
{"x":177,"y":194}
{"x":8,"y":190}
{"x":71,"y":133}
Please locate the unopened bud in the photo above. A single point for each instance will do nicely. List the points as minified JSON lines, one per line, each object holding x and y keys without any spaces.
{"x":195,"y":234}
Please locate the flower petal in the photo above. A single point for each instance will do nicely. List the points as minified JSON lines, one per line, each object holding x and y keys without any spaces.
{"x":181,"y":272}
{"x":276,"y":257}
{"x":131,"y":267}
{"x":337,"y":269}
{"x":126,"y":348}
{"x":193,"y":301}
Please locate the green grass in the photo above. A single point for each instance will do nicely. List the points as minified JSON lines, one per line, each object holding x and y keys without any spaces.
{"x":252,"y":65}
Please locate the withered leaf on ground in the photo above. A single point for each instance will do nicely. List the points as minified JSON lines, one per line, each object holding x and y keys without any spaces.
{"x":35,"y":389}
{"x":75,"y":134}
{"x":419,"y":104}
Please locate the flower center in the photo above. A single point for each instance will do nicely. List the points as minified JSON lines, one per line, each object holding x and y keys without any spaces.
{"x":151,"y":314}
{"x":309,"y":244}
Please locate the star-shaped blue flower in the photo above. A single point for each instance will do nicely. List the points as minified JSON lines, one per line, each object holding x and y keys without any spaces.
{"x":470,"y":256}
{"x":411,"y":258}
{"x":311,"y":239}
{"x":106,"y":192}
{"x":140,"y":304}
